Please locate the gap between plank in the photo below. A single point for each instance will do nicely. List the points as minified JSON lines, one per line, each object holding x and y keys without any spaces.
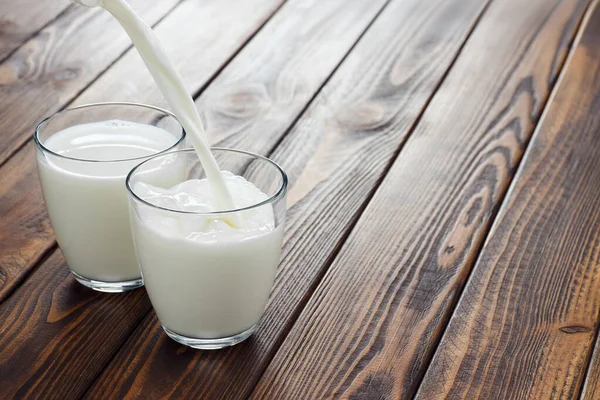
{"x":279,"y":140}
{"x":197,"y":93}
{"x":501,"y":204}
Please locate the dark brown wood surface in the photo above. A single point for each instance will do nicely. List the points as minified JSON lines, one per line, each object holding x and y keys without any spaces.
{"x":25,"y":231}
{"x":57,"y":335}
{"x":401,"y":124}
{"x":531,"y":307}
{"x":374,"y":321}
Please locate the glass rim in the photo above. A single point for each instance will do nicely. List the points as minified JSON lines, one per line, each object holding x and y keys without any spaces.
{"x":45,"y":149}
{"x":278,"y":195}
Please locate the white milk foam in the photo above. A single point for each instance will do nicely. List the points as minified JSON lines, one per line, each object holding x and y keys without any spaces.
{"x":195,"y":195}
{"x":205,"y":278}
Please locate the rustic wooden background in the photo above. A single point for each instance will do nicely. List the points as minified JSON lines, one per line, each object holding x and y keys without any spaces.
{"x":443,"y":235}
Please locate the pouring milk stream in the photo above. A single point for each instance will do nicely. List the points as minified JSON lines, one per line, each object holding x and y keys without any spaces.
{"x":172,"y":87}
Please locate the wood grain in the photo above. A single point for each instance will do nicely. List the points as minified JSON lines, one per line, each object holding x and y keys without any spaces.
{"x":374,"y":321}
{"x":49,"y":70}
{"x":25,"y":234}
{"x":357,"y":114}
{"x":53,"y":334}
{"x":526,"y":322}
{"x":25,"y":231}
{"x":19,"y":20}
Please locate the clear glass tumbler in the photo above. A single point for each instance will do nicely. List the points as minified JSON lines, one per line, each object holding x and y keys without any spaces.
{"x":208,"y":292}
{"x":84,"y":155}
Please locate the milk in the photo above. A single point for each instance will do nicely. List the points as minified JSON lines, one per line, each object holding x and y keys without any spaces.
{"x":87,"y":201}
{"x":205,"y":278}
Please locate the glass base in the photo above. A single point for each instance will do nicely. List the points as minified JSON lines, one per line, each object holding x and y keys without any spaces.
{"x":210,"y":344}
{"x":109,"y":287}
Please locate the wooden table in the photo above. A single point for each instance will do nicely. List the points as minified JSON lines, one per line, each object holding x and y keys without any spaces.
{"x":443,"y":233}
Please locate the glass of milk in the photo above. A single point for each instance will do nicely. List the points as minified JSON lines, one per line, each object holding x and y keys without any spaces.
{"x":208,"y":273}
{"x":84,"y":155}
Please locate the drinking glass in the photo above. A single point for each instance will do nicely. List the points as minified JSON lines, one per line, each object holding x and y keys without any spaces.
{"x":208,"y":293}
{"x":86,"y":196}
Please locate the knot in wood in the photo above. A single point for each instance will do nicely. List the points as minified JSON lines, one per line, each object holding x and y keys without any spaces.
{"x":571,"y":329}
{"x":243,"y":102}
{"x":362,"y":117}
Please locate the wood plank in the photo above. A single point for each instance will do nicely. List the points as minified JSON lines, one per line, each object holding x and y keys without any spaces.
{"x":372,"y":325}
{"x":26,"y":234}
{"x":19,"y":20}
{"x":358,"y":113}
{"x":591,"y":389}
{"x":44,"y":335}
{"x":49,"y":70}
{"x":327,"y":34}
{"x":526,"y":322}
